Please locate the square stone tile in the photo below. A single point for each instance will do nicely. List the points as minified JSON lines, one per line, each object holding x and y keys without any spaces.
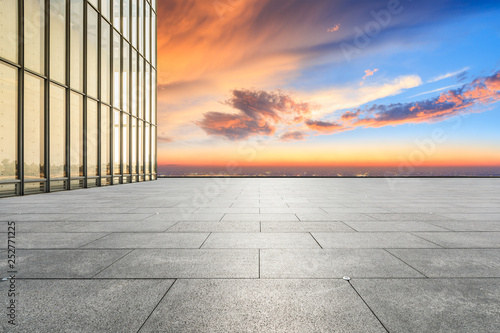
{"x":260,"y":241}
{"x":371,"y":240}
{"x":381,"y":226}
{"x":63,"y":263}
{"x":468,"y":225}
{"x":433,"y":305}
{"x":452,"y":262}
{"x":185,"y":226}
{"x":331,"y":263}
{"x":305,"y":227}
{"x":262,"y":306}
{"x":53,"y":240}
{"x":259,"y":217}
{"x":463,"y":239}
{"x":184,"y":263}
{"x":409,"y":217}
{"x":84,"y":305}
{"x":149,"y":240}
{"x":140,"y":226}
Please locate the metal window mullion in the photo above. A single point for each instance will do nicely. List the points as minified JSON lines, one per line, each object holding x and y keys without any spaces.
{"x":47,"y":95}
{"x":111,"y":95}
{"x":68,"y":94}
{"x":85,"y":75}
{"x":20,"y":97}
{"x":99,"y":95}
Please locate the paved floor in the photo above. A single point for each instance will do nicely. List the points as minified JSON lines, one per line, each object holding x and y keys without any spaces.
{"x":258,"y":255}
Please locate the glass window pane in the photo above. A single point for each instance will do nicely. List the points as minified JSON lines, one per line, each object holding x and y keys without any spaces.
{"x":153,"y":96}
{"x":140,"y":146}
{"x":153,"y":40}
{"x":76,"y":135}
{"x":125,"y":143}
{"x":95,"y":3}
{"x":153,"y":148}
{"x":125,"y":18}
{"x":105,"y":8}
{"x":105,"y":61}
{"x":141,"y":26}
{"x":125,"y":76}
{"x":34,"y":143}
{"x":147,"y":94}
{"x":76,"y":45}
{"x":140,"y":86}
{"x":133,"y":143}
{"x":105,"y":141}
{"x":58,"y":40}
{"x":147,"y":34}
{"x":116,"y":69}
{"x":92,"y":138}
{"x":92,"y":49}
{"x":8,"y":27}
{"x":34,"y":33}
{"x":57,"y":131}
{"x":133,"y":92}
{"x":134,"y":23}
{"x":116,"y":14}
{"x":116,"y":143}
{"x":8,"y":122}
{"x":147,"y":148}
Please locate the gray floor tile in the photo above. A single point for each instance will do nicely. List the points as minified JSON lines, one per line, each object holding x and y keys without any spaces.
{"x":262,"y":306}
{"x":452,"y":262}
{"x":379,"y":226}
{"x":434,"y":305}
{"x":184,"y":263}
{"x":260,"y":241}
{"x":463,"y":239}
{"x":149,"y":240}
{"x":54,"y":240}
{"x":409,"y":217}
{"x":331,"y":263}
{"x":85,"y":305}
{"x":63,"y":263}
{"x":305,"y":227}
{"x":371,"y":240}
{"x":259,"y":217}
{"x":141,"y":226}
{"x":468,"y":225}
{"x":184,"y":226}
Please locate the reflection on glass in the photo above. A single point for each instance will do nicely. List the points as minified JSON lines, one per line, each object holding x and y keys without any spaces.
{"x":8,"y":122}
{"x":105,"y":61}
{"x":8,"y":27}
{"x":125,"y":18}
{"x":147,"y":148}
{"x":133,"y":142}
{"x":76,"y":45}
{"x":153,"y":148}
{"x":116,"y":14}
{"x":76,"y":135}
{"x":92,"y":48}
{"x":140,"y":146}
{"x":141,"y":26}
{"x":92,"y":138}
{"x":147,"y":34}
{"x":147,"y":94}
{"x":58,"y":40}
{"x":57,"y":131}
{"x":116,"y":69}
{"x":34,"y":133}
{"x":140,"y":86}
{"x":34,"y":33}
{"x":116,"y":143}
{"x":153,"y":96}
{"x":105,"y":141}
{"x":134,"y":23}
{"x":95,"y":3}
{"x":133,"y":91}
{"x":153,"y":38}
{"x":106,"y":8}
{"x":125,"y":143}
{"x":125,"y":76}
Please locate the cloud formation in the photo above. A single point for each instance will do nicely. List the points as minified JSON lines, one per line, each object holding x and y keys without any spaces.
{"x":369,"y":72}
{"x":292,"y":136}
{"x":336,"y":27}
{"x":260,"y":113}
{"x":323,"y":126}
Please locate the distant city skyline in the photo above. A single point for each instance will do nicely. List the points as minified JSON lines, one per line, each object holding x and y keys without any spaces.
{"x":397,"y":85}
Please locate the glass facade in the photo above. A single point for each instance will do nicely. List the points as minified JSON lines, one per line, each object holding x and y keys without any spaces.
{"x":77,"y":94}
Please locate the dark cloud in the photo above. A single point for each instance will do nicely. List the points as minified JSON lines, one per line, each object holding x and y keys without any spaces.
{"x":323,"y":126}
{"x":260,"y":112}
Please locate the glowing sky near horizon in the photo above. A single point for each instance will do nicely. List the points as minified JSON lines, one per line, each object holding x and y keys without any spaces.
{"x":312,"y":83}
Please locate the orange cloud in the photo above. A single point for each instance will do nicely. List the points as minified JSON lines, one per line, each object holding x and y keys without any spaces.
{"x":323,"y":126}
{"x":336,"y":27}
{"x":292,"y":136}
{"x":369,"y":72}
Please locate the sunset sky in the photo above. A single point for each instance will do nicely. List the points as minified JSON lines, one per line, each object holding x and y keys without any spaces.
{"x":322,"y":82}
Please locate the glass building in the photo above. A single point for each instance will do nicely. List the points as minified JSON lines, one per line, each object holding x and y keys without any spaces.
{"x":77,"y":94}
